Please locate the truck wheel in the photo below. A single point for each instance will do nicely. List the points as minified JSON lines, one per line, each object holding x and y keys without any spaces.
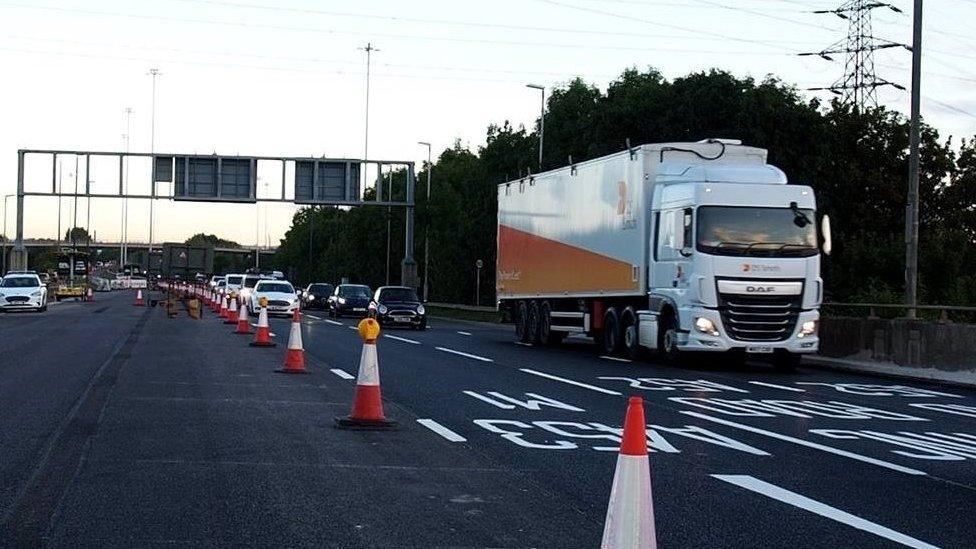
{"x":521,"y":318}
{"x":533,"y":323}
{"x":631,"y":339}
{"x":667,"y":340}
{"x":610,"y":340}
{"x":546,"y":335}
{"x":787,"y":362}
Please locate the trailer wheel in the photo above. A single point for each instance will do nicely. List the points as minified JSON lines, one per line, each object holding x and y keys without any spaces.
{"x":546,"y":335}
{"x":610,"y":340}
{"x":533,"y":325}
{"x":521,"y":318}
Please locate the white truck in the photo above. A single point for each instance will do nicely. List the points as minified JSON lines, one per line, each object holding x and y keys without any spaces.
{"x":670,"y":247}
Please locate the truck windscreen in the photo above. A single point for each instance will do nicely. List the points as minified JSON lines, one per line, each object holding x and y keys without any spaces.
{"x":750,"y":231}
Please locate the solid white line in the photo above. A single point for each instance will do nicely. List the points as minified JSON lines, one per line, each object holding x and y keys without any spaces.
{"x":775,"y":386}
{"x":464,"y":333}
{"x":808,"y":444}
{"x":342,"y":373}
{"x":476,"y":357}
{"x":313,"y":316}
{"x":403,"y":339}
{"x":792,"y":498}
{"x":522,"y":343}
{"x":618,"y":359}
{"x":570,"y":381}
{"x":441,"y":430}
{"x":333,"y":322}
{"x":351,"y":327}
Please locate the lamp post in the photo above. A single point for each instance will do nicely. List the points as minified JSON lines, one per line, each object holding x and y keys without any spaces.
{"x":427,"y":222}
{"x":5,"y":231}
{"x":152,"y":150}
{"x":542,"y":118}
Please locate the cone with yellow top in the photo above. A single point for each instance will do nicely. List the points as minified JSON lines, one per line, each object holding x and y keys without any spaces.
{"x":262,"y":334}
{"x":630,"y":515}
{"x":367,"y":408}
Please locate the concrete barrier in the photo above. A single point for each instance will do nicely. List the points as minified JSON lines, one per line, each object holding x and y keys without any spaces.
{"x":916,"y":349}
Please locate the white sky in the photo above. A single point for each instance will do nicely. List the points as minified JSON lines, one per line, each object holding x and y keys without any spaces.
{"x":285,"y":77}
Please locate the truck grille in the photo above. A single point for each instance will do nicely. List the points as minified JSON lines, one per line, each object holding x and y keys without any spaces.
{"x":759,"y":318}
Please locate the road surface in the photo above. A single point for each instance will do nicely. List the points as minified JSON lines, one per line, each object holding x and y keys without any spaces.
{"x":120,"y":427}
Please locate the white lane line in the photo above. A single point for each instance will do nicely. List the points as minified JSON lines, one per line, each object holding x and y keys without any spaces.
{"x":570,"y":381}
{"x":792,"y":498}
{"x":775,"y":386}
{"x":441,"y":430}
{"x":618,"y":359}
{"x":313,"y":316}
{"x":403,"y":339}
{"x":476,"y":357}
{"x":808,"y":444}
{"x":350,"y":327}
{"x":522,"y":343}
{"x":342,"y":373}
{"x":464,"y":333}
{"x":333,"y":322}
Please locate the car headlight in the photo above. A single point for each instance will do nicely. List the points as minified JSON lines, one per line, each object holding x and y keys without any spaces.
{"x":341,"y":300}
{"x":420,"y":309}
{"x":382,"y":309}
{"x":311,"y":298}
{"x":705,"y":326}
{"x":808,"y":328}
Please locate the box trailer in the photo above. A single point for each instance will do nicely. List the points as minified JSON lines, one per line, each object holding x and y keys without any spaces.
{"x":185,"y":261}
{"x":669,"y":247}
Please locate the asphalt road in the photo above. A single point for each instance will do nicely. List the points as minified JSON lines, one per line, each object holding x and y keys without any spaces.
{"x":123,"y":428}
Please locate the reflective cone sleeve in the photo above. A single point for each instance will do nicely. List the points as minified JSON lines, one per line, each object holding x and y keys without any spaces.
{"x":262,"y":335}
{"x":295,"y":356}
{"x":91,"y":295}
{"x":223,"y":307}
{"x":243,"y":326}
{"x":232,"y":312}
{"x":369,"y":403}
{"x":630,"y":515}
{"x":139,"y":302}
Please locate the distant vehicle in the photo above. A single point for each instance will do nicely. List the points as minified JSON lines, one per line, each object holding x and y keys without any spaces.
{"x":214,"y":280}
{"x":398,"y":305}
{"x":349,"y":299}
{"x":250,"y":281}
{"x":280,"y":295}
{"x":278,"y":275}
{"x":22,"y":291}
{"x":316,"y":295}
{"x":234,"y":282}
{"x":221,"y":284}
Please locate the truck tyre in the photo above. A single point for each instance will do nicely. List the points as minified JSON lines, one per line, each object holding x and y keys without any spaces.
{"x":630,"y":335}
{"x":787,"y":362}
{"x":610,"y":340}
{"x":533,"y":322}
{"x":667,"y":340}
{"x":546,"y":335}
{"x":521,"y":319}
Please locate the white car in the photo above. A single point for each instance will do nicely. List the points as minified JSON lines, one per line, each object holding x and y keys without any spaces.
{"x":214,"y":280}
{"x":22,"y":291}
{"x":250,"y":281}
{"x":281,"y":296}
{"x":234,"y":283}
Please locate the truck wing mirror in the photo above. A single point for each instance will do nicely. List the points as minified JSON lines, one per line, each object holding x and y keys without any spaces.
{"x":685,"y":252}
{"x":825,"y":231}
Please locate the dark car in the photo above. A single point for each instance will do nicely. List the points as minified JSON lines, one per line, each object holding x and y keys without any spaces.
{"x":316,"y":295}
{"x":398,"y":305}
{"x":349,"y":299}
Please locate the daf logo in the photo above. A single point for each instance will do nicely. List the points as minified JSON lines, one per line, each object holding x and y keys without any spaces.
{"x":761,"y":289}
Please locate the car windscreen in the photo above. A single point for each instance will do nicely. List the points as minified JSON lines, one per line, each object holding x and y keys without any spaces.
{"x":234,"y":280}
{"x":753,"y":231}
{"x":398,"y":294}
{"x":321,"y":288}
{"x":251,"y":281}
{"x":277,"y":287}
{"x":19,"y":282}
{"x":354,"y":291}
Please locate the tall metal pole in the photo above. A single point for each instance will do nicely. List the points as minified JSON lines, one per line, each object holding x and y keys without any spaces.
{"x":5,"y":239}
{"x":542,"y":118}
{"x":911,"y":215}
{"x":430,"y":167}
{"x":124,"y":255}
{"x":60,"y":173}
{"x":152,"y":149}
{"x":369,"y":49}
{"x":74,"y":217}
{"x":389,"y":220}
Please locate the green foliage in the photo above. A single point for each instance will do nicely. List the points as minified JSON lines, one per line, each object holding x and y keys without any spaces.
{"x":76,"y":235}
{"x":856,"y":161}
{"x":201,"y":239}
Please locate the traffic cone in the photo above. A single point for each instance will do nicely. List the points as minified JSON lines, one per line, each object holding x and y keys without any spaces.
{"x":367,"y":408}
{"x":630,"y":515}
{"x":243,"y":325}
{"x":262,"y":335}
{"x":90,"y":297}
{"x":139,"y":301}
{"x":232,"y":312}
{"x":222,"y":312}
{"x":295,"y":356}
{"x":215,"y":302}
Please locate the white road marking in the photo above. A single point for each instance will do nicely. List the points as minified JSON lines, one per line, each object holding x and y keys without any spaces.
{"x":476,"y":357}
{"x":403,"y":339}
{"x":792,"y":498}
{"x":441,"y":430}
{"x":333,"y":322}
{"x":570,"y":381}
{"x":522,"y":343}
{"x":616,"y":358}
{"x":342,"y":373}
{"x":464,"y":333}
{"x":313,"y":316}
{"x":775,"y":386}
{"x":808,"y":444}
{"x":350,"y":327}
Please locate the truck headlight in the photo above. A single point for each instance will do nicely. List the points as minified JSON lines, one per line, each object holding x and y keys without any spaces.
{"x":807,"y":328}
{"x":705,"y":326}
{"x":420,"y":309}
{"x":382,"y":309}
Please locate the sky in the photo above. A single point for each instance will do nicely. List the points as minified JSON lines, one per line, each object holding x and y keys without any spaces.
{"x":264,"y":77}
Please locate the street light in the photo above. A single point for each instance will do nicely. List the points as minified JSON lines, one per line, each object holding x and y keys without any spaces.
{"x":5,"y":231}
{"x":427,"y":223}
{"x":542,"y":117}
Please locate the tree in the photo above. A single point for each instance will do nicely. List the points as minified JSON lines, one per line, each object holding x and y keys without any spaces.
{"x":201,"y":239}
{"x":76,"y":235}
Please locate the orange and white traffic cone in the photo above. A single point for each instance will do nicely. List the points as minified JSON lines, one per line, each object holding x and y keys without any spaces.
{"x":295,"y":356}
{"x":215,"y":302}
{"x":222,"y":312}
{"x":232,"y":312}
{"x":243,"y":324}
{"x":262,"y":335}
{"x":630,"y":515}
{"x":139,"y":302}
{"x":90,"y":296}
{"x":367,"y":408}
